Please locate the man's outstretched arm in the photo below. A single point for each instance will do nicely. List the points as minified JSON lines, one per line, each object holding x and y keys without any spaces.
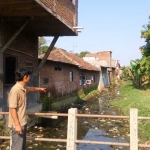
{"x":36,"y":89}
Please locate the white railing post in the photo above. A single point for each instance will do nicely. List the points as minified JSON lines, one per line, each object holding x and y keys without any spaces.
{"x":72,"y":129}
{"x":133,"y":129}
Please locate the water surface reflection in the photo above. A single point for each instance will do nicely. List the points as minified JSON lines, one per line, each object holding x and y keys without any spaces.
{"x":100,"y":129}
{"x":96,"y":129}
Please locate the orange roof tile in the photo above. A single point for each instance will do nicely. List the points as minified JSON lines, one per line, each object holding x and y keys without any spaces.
{"x":63,"y":56}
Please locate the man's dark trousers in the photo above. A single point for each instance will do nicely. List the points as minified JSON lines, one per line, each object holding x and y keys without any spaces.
{"x":18,"y":140}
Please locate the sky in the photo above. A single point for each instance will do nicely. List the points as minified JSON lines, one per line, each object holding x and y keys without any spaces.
{"x":109,"y":25}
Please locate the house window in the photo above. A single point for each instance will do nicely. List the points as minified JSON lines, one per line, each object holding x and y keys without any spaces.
{"x":92,"y":78}
{"x":82,"y":79}
{"x":58,"y":67}
{"x":45,"y":81}
{"x":71,"y":76}
{"x":10,"y":65}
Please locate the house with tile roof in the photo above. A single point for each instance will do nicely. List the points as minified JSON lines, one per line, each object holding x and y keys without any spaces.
{"x":21,"y":23}
{"x":65,"y":73}
{"x":109,"y":68}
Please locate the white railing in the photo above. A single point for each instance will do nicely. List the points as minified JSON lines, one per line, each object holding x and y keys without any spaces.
{"x":72,"y":140}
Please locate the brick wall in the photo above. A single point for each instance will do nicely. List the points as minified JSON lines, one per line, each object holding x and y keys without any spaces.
{"x":65,"y":10}
{"x":59,"y":81}
{"x":106,"y":55}
{"x":113,"y":74}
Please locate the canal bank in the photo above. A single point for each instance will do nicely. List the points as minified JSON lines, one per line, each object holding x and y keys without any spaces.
{"x":132,"y":97}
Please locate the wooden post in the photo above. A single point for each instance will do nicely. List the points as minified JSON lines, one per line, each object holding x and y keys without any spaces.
{"x":46,"y":54}
{"x":72,"y":129}
{"x":133,"y":129}
{"x":15,"y":35}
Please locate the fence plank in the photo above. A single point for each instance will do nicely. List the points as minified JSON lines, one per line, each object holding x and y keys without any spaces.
{"x":133,"y":129}
{"x":72,"y":129}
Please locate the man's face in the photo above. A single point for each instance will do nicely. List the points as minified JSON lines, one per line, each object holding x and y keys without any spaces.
{"x":26,"y":78}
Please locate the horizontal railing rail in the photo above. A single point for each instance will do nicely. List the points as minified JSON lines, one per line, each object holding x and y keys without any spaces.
{"x":80,"y":115}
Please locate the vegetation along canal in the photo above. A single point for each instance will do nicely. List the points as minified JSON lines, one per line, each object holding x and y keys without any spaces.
{"x":97,"y":129}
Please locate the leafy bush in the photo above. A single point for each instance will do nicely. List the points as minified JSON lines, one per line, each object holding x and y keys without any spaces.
{"x":46,"y":103}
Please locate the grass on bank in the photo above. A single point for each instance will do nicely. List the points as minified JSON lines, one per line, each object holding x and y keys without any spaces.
{"x":135,"y":98}
{"x":88,"y":94}
{"x":65,"y":101}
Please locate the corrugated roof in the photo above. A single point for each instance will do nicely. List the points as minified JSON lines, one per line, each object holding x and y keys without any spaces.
{"x":63,"y":56}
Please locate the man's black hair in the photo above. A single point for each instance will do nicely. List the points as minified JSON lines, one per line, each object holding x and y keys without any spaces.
{"x":21,"y":72}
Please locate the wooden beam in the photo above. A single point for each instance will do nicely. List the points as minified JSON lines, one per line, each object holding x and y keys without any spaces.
{"x":46,"y":54}
{"x":14,"y":36}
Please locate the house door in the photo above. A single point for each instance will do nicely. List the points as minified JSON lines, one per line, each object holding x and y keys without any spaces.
{"x":9,"y":69}
{"x":105,"y":77}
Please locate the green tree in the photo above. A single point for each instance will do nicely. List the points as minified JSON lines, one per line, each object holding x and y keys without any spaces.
{"x":43,"y":49}
{"x":83,"y":53}
{"x":126,"y":73}
{"x":139,"y":69}
{"x":145,"y":34}
{"x":42,"y":45}
{"x":41,"y":41}
{"x":138,"y":72}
